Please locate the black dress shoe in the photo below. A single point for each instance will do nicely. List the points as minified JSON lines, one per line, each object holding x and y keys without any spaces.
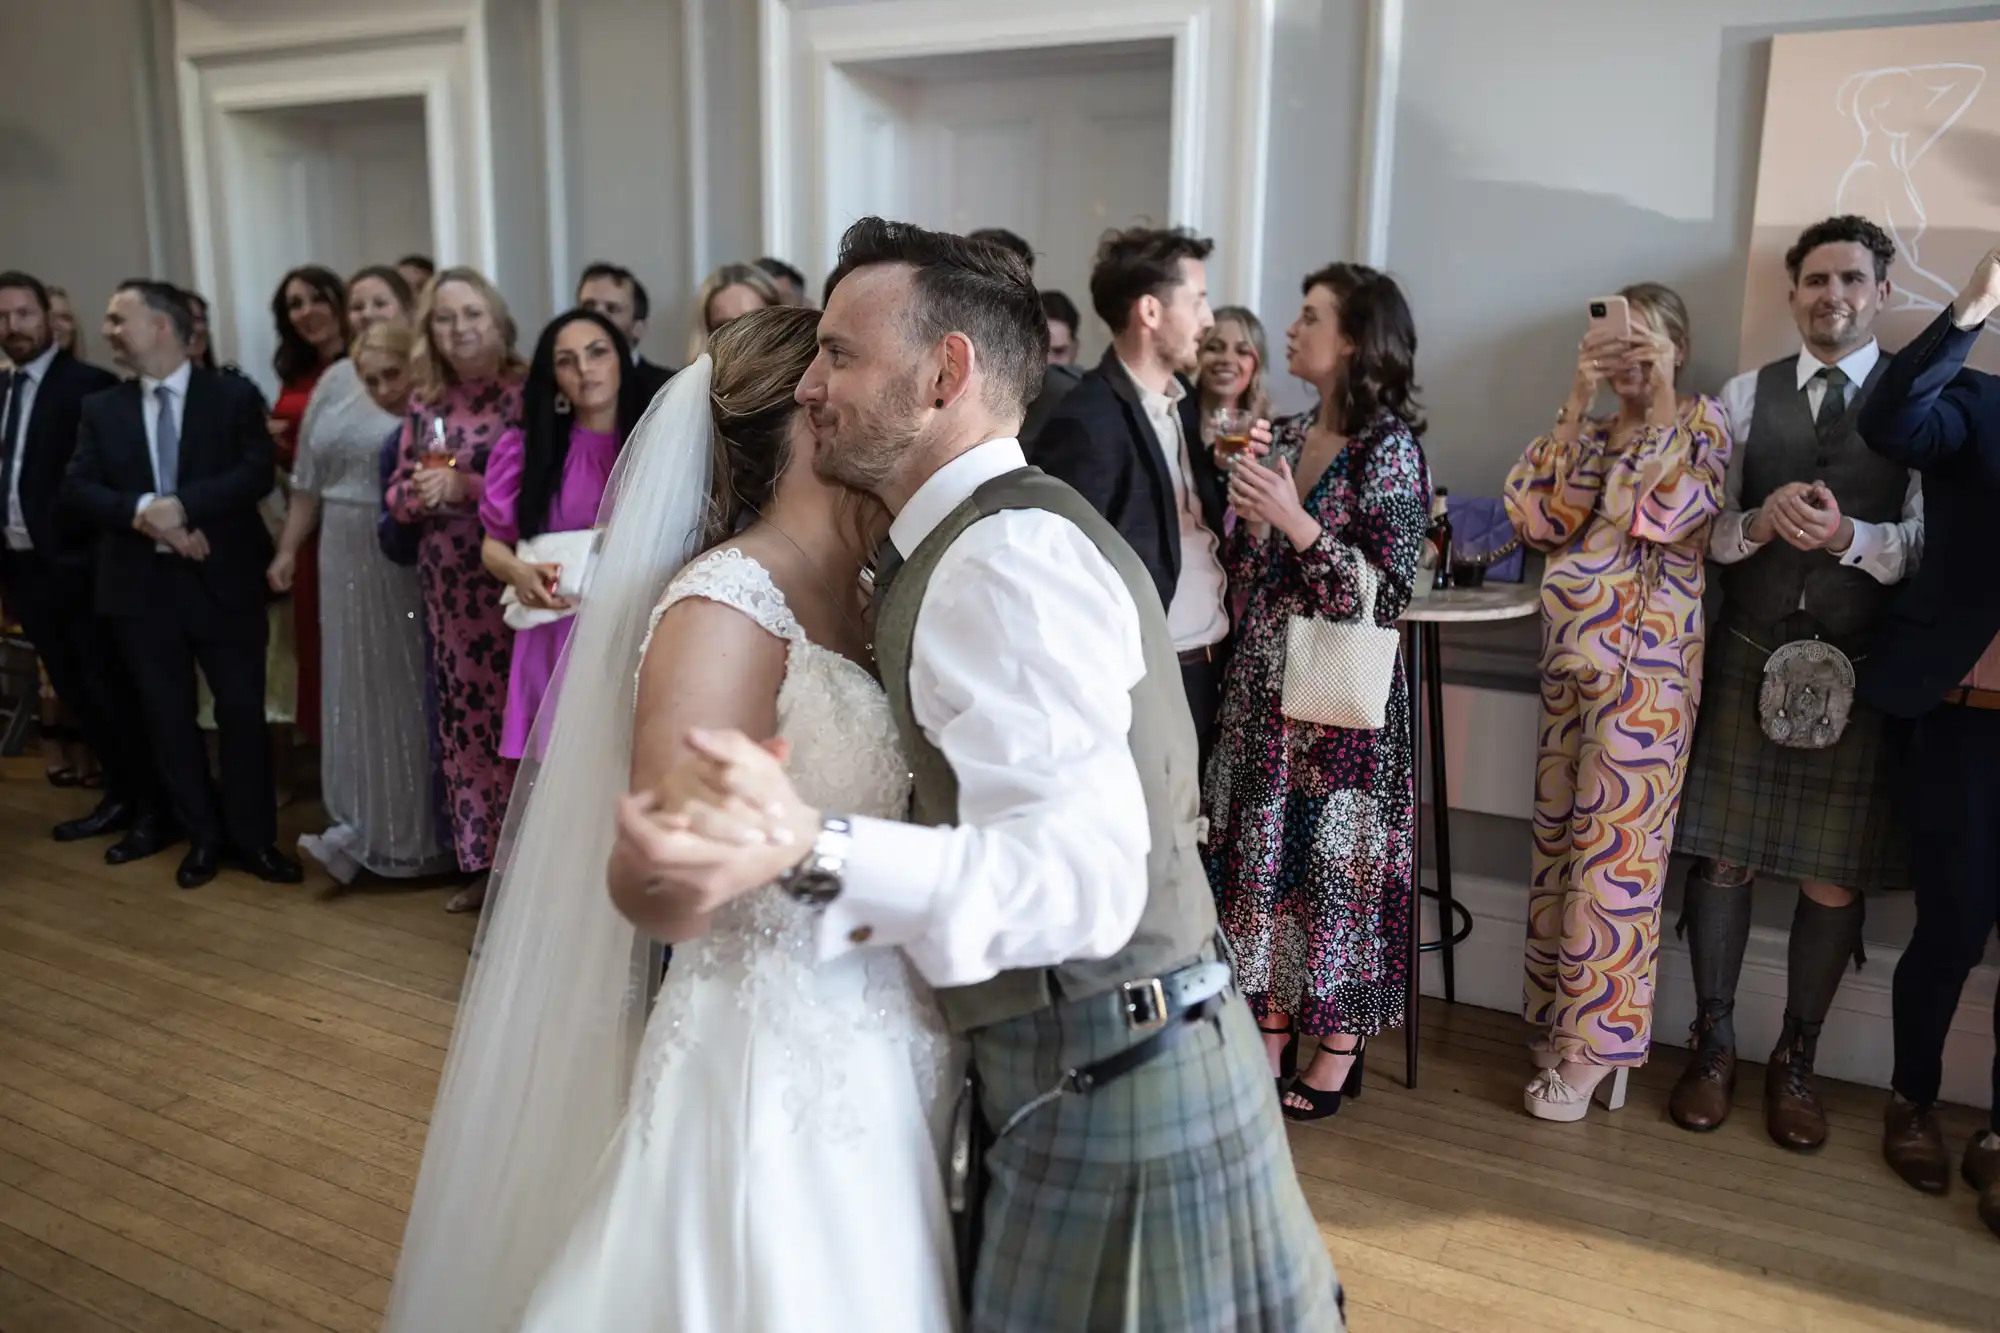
{"x":113,"y":815}
{"x":273,"y":866}
{"x":198,"y":866}
{"x":147,"y":838}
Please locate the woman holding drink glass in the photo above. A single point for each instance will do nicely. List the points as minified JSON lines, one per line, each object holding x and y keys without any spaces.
{"x":1230,"y":380}
{"x":467,"y":395}
{"x":1312,"y":827}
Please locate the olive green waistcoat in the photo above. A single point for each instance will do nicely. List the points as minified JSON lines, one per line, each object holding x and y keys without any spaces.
{"x":1180,"y":908}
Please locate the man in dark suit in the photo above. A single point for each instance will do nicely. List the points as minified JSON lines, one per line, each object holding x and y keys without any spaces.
{"x":45,"y":572}
{"x":618,"y":295}
{"x":1128,"y":436}
{"x":1936,"y":665}
{"x":169,"y":468}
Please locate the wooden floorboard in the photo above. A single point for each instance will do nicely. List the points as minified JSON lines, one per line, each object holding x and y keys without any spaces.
{"x":212,"y":1109}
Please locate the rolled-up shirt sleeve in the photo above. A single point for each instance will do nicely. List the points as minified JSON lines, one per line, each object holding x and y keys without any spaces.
{"x":1025,"y":653}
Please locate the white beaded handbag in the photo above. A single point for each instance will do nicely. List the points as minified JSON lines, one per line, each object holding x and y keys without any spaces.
{"x":1338,"y":672}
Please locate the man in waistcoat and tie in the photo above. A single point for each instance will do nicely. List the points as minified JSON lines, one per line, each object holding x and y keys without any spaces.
{"x":1048,"y":884}
{"x":1816,"y":533}
{"x":168,"y":470}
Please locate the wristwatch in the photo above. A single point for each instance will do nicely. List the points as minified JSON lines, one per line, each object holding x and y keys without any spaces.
{"x":816,"y":881}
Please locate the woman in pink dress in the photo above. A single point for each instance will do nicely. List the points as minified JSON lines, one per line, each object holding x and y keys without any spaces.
{"x":578,"y":406}
{"x":468,"y":395}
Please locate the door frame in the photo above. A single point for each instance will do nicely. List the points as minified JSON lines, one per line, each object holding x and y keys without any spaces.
{"x":1221,"y":59}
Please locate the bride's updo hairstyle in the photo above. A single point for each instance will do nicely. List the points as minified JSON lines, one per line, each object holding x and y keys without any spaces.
{"x":759,"y":360}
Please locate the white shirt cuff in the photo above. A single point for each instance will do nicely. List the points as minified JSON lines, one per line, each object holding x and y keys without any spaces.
{"x":887,"y":887}
{"x":1731,"y":541}
{"x":144,"y":500}
{"x":1868,"y":549}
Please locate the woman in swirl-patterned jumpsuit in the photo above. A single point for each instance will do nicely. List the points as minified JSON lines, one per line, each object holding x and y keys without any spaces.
{"x":1622,"y":505}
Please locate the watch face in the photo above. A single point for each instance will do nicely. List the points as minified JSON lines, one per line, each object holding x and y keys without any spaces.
{"x":815,"y":887}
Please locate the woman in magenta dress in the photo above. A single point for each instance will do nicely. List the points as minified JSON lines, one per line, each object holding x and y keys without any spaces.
{"x":577,"y":407}
{"x":468,"y":395}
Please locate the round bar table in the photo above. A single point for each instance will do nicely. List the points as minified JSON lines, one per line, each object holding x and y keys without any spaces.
{"x":1423,"y":667}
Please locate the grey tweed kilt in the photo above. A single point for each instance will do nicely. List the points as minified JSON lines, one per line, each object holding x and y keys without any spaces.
{"x":1807,"y":814}
{"x":1164,"y":1202}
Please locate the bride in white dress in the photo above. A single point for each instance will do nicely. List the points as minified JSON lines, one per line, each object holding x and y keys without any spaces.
{"x":771,"y":1158}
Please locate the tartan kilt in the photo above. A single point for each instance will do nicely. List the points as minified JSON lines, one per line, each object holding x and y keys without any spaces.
{"x":1825,"y":815}
{"x":1164,"y":1202}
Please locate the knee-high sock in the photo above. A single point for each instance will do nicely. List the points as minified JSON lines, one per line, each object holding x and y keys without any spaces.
{"x":1718,"y":931}
{"x":1824,"y":940}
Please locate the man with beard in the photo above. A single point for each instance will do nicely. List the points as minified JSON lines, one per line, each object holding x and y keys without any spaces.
{"x":1816,"y":533}
{"x":1048,"y":883}
{"x":45,"y":570}
{"x":1128,"y":437}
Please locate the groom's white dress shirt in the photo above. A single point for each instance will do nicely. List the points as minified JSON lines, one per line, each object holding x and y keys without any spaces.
{"x":1025,"y":654}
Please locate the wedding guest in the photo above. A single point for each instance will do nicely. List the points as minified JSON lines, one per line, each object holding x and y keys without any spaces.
{"x":201,"y":349}
{"x":1622,"y":504}
{"x":310,"y":308}
{"x":1128,"y":438}
{"x":1233,"y":362}
{"x":376,"y":294}
{"x":62,"y":323}
{"x":1936,"y":667}
{"x":417,"y":271}
{"x":46,"y":572}
{"x":791,"y":283}
{"x":170,"y":467}
{"x":618,"y":295}
{"x":1814,"y":534}
{"x":466,"y":395}
{"x":1311,"y":827}
{"x":732,"y":290}
{"x":578,"y":404}
{"x":375,"y":761}
{"x":1064,"y":320}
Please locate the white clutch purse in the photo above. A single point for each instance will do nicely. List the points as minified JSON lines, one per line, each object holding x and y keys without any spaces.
{"x":1338,"y":672}
{"x":574,"y":554}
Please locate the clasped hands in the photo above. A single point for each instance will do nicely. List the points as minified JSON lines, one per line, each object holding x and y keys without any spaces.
{"x":438,"y":487}
{"x":725,"y":820}
{"x":165,"y":521}
{"x":1268,"y":497}
{"x":1805,"y":515}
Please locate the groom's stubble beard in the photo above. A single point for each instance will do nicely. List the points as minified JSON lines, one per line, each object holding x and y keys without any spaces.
{"x":866,"y":447}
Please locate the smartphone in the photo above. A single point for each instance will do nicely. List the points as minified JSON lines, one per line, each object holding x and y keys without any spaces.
{"x":1611,"y":314}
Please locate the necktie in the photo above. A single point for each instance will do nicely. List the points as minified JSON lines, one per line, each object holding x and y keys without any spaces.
{"x":16,"y":391}
{"x":167,"y":436}
{"x":1833,"y":405}
{"x":888,"y":560}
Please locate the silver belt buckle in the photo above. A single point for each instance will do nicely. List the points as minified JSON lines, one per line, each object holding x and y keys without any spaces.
{"x":1145,"y":1004}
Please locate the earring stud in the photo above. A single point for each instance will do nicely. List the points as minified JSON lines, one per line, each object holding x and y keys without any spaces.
{"x":939,"y":403}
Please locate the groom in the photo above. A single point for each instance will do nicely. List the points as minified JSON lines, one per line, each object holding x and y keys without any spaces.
{"x":1049,"y":885}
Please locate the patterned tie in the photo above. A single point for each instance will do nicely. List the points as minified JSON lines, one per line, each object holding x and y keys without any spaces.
{"x":167,"y":436}
{"x":1833,"y":404}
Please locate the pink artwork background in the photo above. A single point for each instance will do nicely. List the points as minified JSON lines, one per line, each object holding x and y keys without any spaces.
{"x":1901,"y":125}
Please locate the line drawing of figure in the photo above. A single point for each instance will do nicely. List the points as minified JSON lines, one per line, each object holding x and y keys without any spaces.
{"x":1901,"y":111}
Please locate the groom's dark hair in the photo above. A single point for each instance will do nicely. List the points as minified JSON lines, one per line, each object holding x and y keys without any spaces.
{"x":962,"y":285}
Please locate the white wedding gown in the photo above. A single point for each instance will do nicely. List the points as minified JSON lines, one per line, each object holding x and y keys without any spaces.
{"x":779,"y":1166}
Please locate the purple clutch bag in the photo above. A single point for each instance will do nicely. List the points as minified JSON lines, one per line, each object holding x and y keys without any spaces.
{"x":1482,"y":534}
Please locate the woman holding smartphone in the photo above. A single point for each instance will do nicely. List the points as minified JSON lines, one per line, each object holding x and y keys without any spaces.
{"x":1622,"y":504}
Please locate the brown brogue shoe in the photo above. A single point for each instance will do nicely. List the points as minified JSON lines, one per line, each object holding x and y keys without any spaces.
{"x":1792,"y":1111}
{"x":1706,"y":1088}
{"x":1913,"y":1146}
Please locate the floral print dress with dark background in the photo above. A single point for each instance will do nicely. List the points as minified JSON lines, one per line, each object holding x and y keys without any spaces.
{"x":472,"y":644}
{"x":1310,"y":827}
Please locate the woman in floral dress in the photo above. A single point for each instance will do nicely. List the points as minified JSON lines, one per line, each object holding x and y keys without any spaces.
{"x":468,"y":394}
{"x":1311,"y":828}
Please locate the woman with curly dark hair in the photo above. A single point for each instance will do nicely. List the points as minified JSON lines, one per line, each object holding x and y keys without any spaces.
{"x":1311,"y":827}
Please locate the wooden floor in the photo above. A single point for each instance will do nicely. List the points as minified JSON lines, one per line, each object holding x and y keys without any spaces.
{"x":212,"y":1106}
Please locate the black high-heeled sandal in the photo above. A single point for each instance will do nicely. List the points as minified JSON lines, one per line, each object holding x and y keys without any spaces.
{"x":1288,"y":1058}
{"x":1322,"y":1103}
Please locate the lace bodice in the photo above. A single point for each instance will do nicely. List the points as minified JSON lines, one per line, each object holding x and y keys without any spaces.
{"x":844,"y":757}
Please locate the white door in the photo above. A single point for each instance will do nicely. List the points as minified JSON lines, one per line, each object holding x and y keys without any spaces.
{"x":342,"y":184}
{"x":1055,"y":152}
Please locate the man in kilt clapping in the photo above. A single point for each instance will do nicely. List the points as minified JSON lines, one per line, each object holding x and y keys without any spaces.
{"x":1789,"y":774}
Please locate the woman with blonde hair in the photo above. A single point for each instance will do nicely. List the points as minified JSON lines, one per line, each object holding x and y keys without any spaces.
{"x":466,"y":393}
{"x":1622,"y":504}
{"x":375,"y":766}
{"x":730,"y":291}
{"x":1235,"y":361}
{"x":62,"y":323}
